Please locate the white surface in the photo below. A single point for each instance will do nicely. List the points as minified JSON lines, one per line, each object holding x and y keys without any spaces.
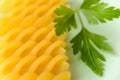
{"x":112,"y":66}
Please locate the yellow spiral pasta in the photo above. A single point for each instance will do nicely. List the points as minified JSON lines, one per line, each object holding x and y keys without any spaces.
{"x":29,"y":48}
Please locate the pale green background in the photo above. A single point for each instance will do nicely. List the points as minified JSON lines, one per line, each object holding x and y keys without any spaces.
{"x":112,"y":31}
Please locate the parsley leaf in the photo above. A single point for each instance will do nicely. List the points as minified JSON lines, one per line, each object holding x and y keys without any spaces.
{"x":88,"y":44}
{"x":88,"y":3}
{"x":100,"y":42}
{"x":96,"y":11}
{"x":65,"y":21}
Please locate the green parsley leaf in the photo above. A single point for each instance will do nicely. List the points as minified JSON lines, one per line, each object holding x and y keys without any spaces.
{"x":96,"y":11}
{"x":88,"y":3}
{"x":65,"y":21}
{"x":100,"y":42}
{"x":88,"y":44}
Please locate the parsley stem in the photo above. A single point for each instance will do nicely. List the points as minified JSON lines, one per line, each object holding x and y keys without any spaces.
{"x":85,"y":37}
{"x":80,"y":19}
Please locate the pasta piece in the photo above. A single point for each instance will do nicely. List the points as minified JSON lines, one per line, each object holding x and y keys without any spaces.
{"x":29,"y":47}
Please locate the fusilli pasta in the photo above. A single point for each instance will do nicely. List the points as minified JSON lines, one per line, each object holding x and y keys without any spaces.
{"x":29,"y":48}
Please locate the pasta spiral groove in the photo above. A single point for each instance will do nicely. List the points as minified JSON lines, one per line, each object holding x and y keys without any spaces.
{"x":29,"y":47}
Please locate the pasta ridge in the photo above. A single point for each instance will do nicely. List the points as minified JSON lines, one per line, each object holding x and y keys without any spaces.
{"x":29,"y":47}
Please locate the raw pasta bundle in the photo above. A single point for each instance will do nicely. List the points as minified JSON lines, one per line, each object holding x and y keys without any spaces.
{"x":29,"y":48}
